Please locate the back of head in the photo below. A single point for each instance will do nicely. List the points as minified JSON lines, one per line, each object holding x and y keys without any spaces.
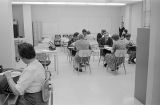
{"x":81,"y":36}
{"x":26,"y":50}
{"x":103,"y":31}
{"x":88,"y":32}
{"x":125,"y":31}
{"x":75,"y":34}
{"x":115,"y":37}
{"x":84,"y":30}
{"x":128,"y":36}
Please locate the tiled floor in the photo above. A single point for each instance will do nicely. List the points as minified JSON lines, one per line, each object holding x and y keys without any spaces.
{"x":101,"y":87}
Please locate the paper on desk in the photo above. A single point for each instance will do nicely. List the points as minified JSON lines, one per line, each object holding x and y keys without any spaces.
{"x":108,"y":48}
{"x":13,"y":74}
{"x":1,"y":74}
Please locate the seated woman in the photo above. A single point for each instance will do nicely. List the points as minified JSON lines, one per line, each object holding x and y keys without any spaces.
{"x":81,"y":44}
{"x":29,"y":85}
{"x":110,"y":58}
{"x":131,"y":49}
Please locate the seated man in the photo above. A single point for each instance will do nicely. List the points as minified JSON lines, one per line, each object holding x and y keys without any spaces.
{"x":81,"y":44}
{"x":131,"y":49}
{"x":106,"y":40}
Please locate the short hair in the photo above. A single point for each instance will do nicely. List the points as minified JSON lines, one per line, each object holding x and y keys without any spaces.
{"x":125,"y":30}
{"x":26,"y":50}
{"x":115,"y":37}
{"x":103,"y":31}
{"x":81,"y":36}
{"x":88,"y":32}
{"x":75,"y":34}
{"x":84,"y":30}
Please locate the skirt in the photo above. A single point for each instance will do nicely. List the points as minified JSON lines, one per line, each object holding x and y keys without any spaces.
{"x":112,"y":61}
{"x":31,"y":99}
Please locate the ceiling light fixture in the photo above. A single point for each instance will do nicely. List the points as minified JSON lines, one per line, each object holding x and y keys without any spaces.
{"x":70,"y":3}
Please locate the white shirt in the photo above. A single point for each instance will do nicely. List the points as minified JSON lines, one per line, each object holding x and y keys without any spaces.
{"x":31,"y":79}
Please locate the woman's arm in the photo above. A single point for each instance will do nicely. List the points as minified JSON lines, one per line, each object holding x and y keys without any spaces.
{"x":12,"y":69}
{"x":11,"y":82}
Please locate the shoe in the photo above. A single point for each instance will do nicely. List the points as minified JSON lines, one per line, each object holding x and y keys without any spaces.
{"x":105,"y":65}
{"x":76,"y":68}
{"x":112,"y":70}
{"x":80,"y":70}
{"x":117,"y":68}
{"x":133,"y":61}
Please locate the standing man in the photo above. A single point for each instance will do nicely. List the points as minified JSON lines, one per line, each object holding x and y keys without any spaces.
{"x":121,"y":28}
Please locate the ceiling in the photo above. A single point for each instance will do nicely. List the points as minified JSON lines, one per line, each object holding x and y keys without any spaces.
{"x":86,"y":1}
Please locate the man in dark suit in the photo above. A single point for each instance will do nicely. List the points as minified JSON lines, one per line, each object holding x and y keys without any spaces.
{"x":99,"y":35}
{"x":106,"y":40}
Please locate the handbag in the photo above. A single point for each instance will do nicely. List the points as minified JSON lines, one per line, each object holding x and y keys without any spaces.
{"x":46,"y":87}
{"x":51,"y":46}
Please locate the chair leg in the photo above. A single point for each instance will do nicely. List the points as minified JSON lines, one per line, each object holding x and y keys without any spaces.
{"x":89,"y":68}
{"x":99,"y":60}
{"x":124,"y":68}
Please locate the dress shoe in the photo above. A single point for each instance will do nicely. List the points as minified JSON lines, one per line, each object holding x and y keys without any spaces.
{"x":105,"y":65}
{"x":80,"y":70}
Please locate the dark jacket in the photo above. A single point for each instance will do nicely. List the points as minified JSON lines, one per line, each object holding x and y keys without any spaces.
{"x":121,"y":31}
{"x":99,"y":36}
{"x":109,"y":42}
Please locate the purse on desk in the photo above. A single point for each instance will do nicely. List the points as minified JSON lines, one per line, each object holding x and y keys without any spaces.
{"x":52,"y":46}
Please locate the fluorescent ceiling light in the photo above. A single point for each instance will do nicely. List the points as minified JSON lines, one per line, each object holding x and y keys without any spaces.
{"x":70,"y":3}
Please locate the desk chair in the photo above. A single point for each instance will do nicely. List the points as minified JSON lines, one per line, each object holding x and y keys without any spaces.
{"x":95,"y":51}
{"x":70,"y":57}
{"x":120,"y":54}
{"x":84,"y":56}
{"x":101,"y":56}
{"x":43,"y":59}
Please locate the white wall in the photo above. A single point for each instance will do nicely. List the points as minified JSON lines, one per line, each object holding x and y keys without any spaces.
{"x":18,"y":15}
{"x":27,"y":23}
{"x":136,"y":19}
{"x":153,"y":87}
{"x":7,"y":49}
{"x":127,"y":13}
{"x":69,"y":19}
{"x":133,"y":18}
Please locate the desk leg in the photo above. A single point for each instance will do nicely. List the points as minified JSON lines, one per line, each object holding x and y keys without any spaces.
{"x":56,"y":63}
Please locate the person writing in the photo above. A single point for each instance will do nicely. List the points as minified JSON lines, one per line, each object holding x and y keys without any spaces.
{"x":28,"y":87}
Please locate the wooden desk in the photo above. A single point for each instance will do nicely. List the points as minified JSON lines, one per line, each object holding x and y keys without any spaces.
{"x":8,"y":99}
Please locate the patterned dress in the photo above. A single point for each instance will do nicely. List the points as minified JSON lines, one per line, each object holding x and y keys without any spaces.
{"x":111,"y":59}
